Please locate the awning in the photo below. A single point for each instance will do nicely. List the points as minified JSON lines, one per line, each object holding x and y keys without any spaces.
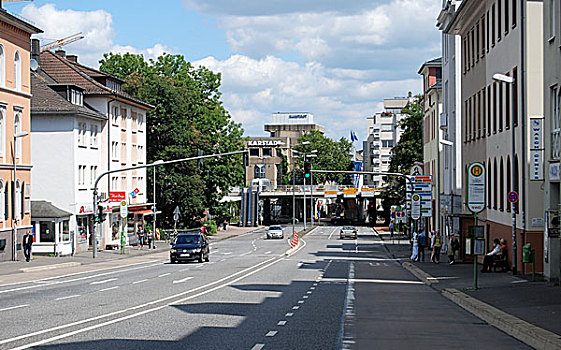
{"x":141,"y":211}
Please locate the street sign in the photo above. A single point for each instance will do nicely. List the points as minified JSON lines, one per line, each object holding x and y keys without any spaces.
{"x":476,"y":187}
{"x":421,"y":178}
{"x":416,"y":170}
{"x":116,"y":197}
{"x":415,"y":206}
{"x":513,"y":197}
{"x":124,"y":209}
{"x":349,"y":192}
{"x":176,"y":214}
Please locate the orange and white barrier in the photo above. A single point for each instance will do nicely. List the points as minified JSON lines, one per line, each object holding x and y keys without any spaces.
{"x":295,"y":241}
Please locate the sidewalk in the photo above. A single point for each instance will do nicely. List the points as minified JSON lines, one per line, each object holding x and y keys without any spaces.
{"x":43,"y":262}
{"x":528,"y":311}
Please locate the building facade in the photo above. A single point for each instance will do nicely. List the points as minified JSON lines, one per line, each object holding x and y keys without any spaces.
{"x":432,"y":135}
{"x":15,"y":151}
{"x":504,"y":37}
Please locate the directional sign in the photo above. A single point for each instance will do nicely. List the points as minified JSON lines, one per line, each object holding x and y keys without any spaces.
{"x":513,"y":197}
{"x":415,"y":206}
{"x":476,"y":187}
{"x":349,"y":192}
{"x":176,"y":214}
{"x":124,"y":209}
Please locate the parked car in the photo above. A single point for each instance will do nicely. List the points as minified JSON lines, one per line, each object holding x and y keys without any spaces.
{"x":348,"y":231}
{"x":189,"y":246}
{"x":275,"y":232}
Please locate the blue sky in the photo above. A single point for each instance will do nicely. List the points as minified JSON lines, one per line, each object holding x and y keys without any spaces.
{"x":336,"y":59}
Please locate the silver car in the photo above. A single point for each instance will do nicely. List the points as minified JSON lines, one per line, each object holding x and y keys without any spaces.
{"x":348,"y":231}
{"x":275,"y":232}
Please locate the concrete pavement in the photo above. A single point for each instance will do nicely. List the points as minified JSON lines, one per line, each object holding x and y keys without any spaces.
{"x":528,"y":311}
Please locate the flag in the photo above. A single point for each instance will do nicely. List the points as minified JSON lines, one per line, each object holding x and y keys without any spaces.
{"x":353,"y":136}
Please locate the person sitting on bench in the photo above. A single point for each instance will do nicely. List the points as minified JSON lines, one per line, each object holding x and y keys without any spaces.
{"x":488,"y":260}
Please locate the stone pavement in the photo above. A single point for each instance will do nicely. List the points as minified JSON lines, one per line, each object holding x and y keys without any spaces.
{"x":528,"y":311}
{"x":43,"y":262}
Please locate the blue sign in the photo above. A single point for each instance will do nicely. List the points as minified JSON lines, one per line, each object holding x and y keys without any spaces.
{"x":513,"y":197}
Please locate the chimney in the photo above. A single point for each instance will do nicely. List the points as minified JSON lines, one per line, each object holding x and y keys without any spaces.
{"x":60,"y":53}
{"x":35,"y":49}
{"x":72,"y":58}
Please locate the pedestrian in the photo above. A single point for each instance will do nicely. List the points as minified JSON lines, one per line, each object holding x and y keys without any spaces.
{"x":415,"y":247}
{"x":436,"y":245}
{"x":140,"y":235}
{"x":27,"y":243}
{"x":453,"y":247}
{"x":422,"y":245}
{"x":392,"y":227}
{"x":488,"y":259}
{"x":150,"y":238}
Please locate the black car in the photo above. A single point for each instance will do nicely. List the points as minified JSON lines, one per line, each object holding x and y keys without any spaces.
{"x":189,"y":246}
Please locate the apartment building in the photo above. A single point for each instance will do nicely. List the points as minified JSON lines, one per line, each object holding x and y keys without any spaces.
{"x":450,"y":123}
{"x":506,"y":37}
{"x":15,"y":151}
{"x":432,"y":135}
{"x":122,"y":143}
{"x":551,"y":137}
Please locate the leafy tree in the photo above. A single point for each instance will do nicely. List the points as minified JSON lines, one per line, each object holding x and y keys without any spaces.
{"x":408,"y":150}
{"x":188,"y":116}
{"x":331,"y":155}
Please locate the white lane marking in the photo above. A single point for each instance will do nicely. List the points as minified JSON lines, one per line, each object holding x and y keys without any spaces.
{"x":258,"y":346}
{"x":48,"y":279}
{"x":164,"y":274}
{"x":265,"y":264}
{"x":521,"y":281}
{"x":306,"y":296}
{"x":300,"y":301}
{"x":356,"y":246}
{"x":332,"y":232}
{"x":104,"y":281}
{"x":295,"y":307}
{"x":137,"y":282}
{"x":299,"y":264}
{"x":185,"y":269}
{"x":315,"y":284}
{"x":281,"y":323}
{"x":14,"y":307}
{"x":346,"y":337}
{"x":451,"y":278}
{"x":341,"y":280}
{"x":289,"y":314}
{"x":269,"y":252}
{"x":110,"y":288}
{"x":271,"y":333}
{"x":244,"y":254}
{"x":182,"y":280}
{"x":309,"y":292}
{"x":227,"y":253}
{"x":68,"y":297}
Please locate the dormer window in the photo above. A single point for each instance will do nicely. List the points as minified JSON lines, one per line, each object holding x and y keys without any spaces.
{"x":76,"y":97}
{"x":113,"y":85}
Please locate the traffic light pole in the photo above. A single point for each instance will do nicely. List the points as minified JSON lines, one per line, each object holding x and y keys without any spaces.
{"x":96,"y":196}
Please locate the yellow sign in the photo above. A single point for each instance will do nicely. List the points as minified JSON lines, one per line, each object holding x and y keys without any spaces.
{"x":476,"y":170}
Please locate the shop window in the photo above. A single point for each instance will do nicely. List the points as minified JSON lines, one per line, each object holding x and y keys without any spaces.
{"x":66,"y":231}
{"x":82,"y":228}
{"x":47,"y":232}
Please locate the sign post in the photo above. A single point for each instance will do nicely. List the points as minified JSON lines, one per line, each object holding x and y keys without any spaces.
{"x":415,"y":208}
{"x":175,"y":217}
{"x":476,"y":204}
{"x":124,"y":211}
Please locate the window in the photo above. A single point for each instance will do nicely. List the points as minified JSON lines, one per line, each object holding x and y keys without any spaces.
{"x":508,"y":182}
{"x":488,"y":32}
{"x":489,"y":101}
{"x":17,"y":202}
{"x":515,"y":97}
{"x":17,"y":71}
{"x":552,"y":19}
{"x":267,"y":152}
{"x":123,"y":118}
{"x":514,"y":14}
{"x":483,"y":36}
{"x":483,"y":109}
{"x":254,"y":152}
{"x":77,"y":97}
{"x":506,"y":19}
{"x":508,"y":89}
{"x":499,"y":19}
{"x":500,"y":106}
{"x":114,"y":182}
{"x":259,"y":171}
{"x":93,"y":136}
{"x":386,"y":159}
{"x":113,"y":85}
{"x":387,"y":127}
{"x":140,"y":153}
{"x":2,"y":67}
{"x":477,"y":42}
{"x":387,"y":143}
{"x":494,"y":108}
{"x":82,"y":132}
{"x":555,"y":124}
{"x":495,"y":185}
{"x":46,"y":231}
{"x":2,"y":131}
{"x":493,"y":25}
{"x":81,"y":175}
{"x":489,"y":177}
{"x":65,"y":231}
{"x":140,"y":122}
{"x":93,"y":174}
{"x":2,"y":202}
{"x":115,"y":116}
{"x":502,"y":187}
{"x":473,"y":54}
{"x":123,"y":153}
{"x":17,"y":130}
{"x":114,"y":150}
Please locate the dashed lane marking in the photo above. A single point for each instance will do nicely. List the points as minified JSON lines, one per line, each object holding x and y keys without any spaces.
{"x":281,"y":323}
{"x":301,"y":301}
{"x":110,"y":288}
{"x":258,"y":346}
{"x":137,"y":282}
{"x":289,"y":314}
{"x":295,"y":307}
{"x":182,"y":280}
{"x":271,"y":333}
{"x":104,"y":281}
{"x":14,"y":307}
{"x":306,"y":296}
{"x":164,"y":274}
{"x":68,"y":297}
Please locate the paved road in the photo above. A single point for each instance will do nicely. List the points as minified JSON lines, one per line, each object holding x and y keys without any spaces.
{"x":331,"y":294}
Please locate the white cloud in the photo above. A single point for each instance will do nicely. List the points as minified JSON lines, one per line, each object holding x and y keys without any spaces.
{"x":96,"y":26}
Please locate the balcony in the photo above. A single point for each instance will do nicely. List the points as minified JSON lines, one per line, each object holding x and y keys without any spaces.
{"x":376,"y":152}
{"x":376,"y":144}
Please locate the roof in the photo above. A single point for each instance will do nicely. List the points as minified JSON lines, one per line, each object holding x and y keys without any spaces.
{"x":45,"y":100}
{"x":435,"y":62}
{"x":46,"y":210}
{"x":64,"y":71}
{"x":19,"y":23}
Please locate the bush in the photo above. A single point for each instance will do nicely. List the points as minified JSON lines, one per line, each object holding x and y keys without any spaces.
{"x":211,"y":224}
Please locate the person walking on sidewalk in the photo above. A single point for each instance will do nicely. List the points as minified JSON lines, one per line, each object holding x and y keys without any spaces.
{"x":415,"y":247}
{"x":453,"y":247}
{"x":27,"y":243}
{"x":150,"y":239}
{"x":422,"y":245}
{"x":392,"y":228}
{"x":436,"y":245}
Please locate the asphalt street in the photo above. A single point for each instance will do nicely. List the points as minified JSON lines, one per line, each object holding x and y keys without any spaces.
{"x":328,"y":294}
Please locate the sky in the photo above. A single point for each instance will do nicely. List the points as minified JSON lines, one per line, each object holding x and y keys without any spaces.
{"x":335,"y":59}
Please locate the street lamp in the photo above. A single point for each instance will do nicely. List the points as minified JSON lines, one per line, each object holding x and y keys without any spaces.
{"x":501,"y":78}
{"x":154,"y":199}
{"x":14,"y":214}
{"x":294,"y":183}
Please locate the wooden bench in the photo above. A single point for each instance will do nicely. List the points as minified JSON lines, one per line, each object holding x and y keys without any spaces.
{"x":501,"y":261}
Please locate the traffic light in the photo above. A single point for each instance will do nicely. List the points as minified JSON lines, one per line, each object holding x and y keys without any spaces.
{"x":199,"y":161}
{"x":307,"y":170}
{"x":101,"y":216}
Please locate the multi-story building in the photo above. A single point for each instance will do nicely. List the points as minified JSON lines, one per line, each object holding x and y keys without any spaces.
{"x":266,"y":154}
{"x":450,"y":124}
{"x":432,"y":135}
{"x":121,"y":140}
{"x":551,"y":136}
{"x":383,"y":134}
{"x":15,"y":149}
{"x":504,"y":37}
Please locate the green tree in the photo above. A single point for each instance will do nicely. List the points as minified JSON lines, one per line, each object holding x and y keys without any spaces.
{"x":188,"y":116}
{"x":331,"y":155}
{"x":407,"y":151}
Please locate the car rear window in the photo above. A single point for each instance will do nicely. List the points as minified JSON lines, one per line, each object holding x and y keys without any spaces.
{"x":348,"y":228}
{"x":275,"y":228}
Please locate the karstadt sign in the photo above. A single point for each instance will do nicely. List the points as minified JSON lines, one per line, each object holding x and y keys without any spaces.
{"x":262,"y":143}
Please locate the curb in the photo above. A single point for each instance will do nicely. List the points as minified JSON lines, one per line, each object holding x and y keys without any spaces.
{"x":292,"y":250}
{"x":419,"y":273}
{"x":49,"y":267}
{"x":526,"y":332}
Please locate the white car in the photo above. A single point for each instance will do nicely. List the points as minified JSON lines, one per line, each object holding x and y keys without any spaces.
{"x":348,"y":231}
{"x":275,"y":232}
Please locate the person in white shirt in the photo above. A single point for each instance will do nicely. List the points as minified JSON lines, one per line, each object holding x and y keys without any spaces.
{"x":488,"y":260}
